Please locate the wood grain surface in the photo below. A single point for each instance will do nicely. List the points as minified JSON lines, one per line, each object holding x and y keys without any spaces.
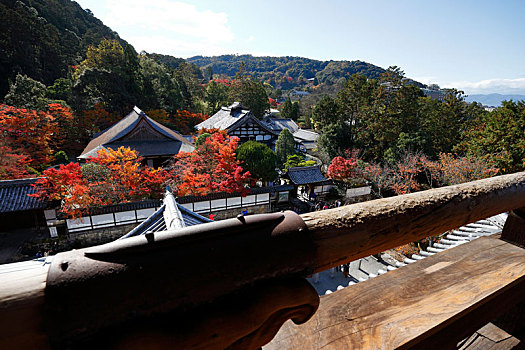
{"x":411,"y":305}
{"x":355,"y":231}
{"x":21,"y":307}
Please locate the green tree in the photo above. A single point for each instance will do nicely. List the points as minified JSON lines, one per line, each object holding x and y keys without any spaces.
{"x":159,"y":86}
{"x":499,"y":137}
{"x":297,"y":160}
{"x":189,"y":78}
{"x":216,"y":96}
{"x":325,"y":113}
{"x":258,"y":159}
{"x":60,"y":90}
{"x":290,"y":109}
{"x":109,"y":74}
{"x":27,"y":93}
{"x":355,"y":96}
{"x":201,"y":139}
{"x":284,"y":146}
{"x":335,"y":139}
{"x":250,"y":93}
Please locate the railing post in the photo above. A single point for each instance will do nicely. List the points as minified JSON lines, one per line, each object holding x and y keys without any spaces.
{"x":514,"y":229}
{"x":514,"y":232}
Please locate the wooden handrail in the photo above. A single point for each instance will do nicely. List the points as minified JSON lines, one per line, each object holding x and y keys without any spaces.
{"x":223,"y":259}
{"x":351,"y":232}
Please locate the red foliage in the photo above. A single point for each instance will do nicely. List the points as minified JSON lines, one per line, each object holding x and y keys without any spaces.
{"x":211,"y":167}
{"x":67,"y":185}
{"x":115,"y":176}
{"x":272,"y":102}
{"x":224,"y":82}
{"x":12,"y":166}
{"x":185,"y":121}
{"x":34,"y":133}
{"x":96,"y":119}
{"x":343,"y":169}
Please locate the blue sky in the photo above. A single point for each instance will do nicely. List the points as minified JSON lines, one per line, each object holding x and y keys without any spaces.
{"x":477,"y":46}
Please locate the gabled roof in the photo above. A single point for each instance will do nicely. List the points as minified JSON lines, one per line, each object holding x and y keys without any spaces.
{"x":14,"y":196}
{"x":231,"y":117}
{"x":225,"y":117}
{"x":305,"y":175}
{"x":141,"y":133}
{"x":170,"y":216}
{"x":278,"y":124}
{"x":300,"y":135}
{"x":306,"y":135}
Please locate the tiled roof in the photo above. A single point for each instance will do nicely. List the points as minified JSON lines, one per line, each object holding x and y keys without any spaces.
{"x":306,"y":135}
{"x":229,"y":118}
{"x":225,"y":117}
{"x":305,"y":175}
{"x":14,"y":196}
{"x":222,"y":195}
{"x":278,"y":124}
{"x":165,"y":141}
{"x":169,"y":216}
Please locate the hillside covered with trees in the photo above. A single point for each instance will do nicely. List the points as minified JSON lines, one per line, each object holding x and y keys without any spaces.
{"x":287,"y":72}
{"x":44,"y":38}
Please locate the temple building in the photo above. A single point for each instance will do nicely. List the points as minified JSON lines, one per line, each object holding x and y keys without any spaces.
{"x":153,"y":141}
{"x":308,"y":181}
{"x":238,"y":121}
{"x":305,"y":140}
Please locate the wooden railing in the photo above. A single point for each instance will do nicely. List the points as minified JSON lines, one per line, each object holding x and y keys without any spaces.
{"x":233,"y":283}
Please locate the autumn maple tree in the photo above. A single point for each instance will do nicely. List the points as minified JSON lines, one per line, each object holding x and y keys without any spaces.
{"x":114,"y":176}
{"x":451,"y":170}
{"x":67,"y":185}
{"x":12,"y":165}
{"x":344,"y":169}
{"x":210,"y":167}
{"x":35,"y":134}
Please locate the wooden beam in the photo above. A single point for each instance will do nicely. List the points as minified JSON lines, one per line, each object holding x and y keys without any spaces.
{"x":433,"y":303}
{"x":351,"y":232}
{"x":22,"y":306}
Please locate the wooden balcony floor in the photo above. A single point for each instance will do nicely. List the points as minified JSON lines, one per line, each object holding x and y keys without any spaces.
{"x":491,"y":337}
{"x":434,"y":303}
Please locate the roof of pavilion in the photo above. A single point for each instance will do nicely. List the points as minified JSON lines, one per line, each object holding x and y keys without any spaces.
{"x":141,"y":133}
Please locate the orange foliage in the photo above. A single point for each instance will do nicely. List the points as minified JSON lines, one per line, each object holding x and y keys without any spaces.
{"x":159,"y":115}
{"x":97,"y":119}
{"x":12,"y":166}
{"x":115,"y":176}
{"x":185,"y":121}
{"x":34,"y":133}
{"x":67,"y":185}
{"x":211,"y":167}
{"x":452,"y":170}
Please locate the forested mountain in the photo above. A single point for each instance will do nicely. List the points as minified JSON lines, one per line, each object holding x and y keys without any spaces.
{"x":42,"y":38}
{"x":286,"y":72}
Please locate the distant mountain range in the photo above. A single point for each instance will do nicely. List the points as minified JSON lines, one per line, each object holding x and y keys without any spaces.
{"x":493,"y":99}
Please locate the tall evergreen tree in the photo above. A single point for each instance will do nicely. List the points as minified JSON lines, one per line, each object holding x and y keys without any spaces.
{"x":284,"y":146}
